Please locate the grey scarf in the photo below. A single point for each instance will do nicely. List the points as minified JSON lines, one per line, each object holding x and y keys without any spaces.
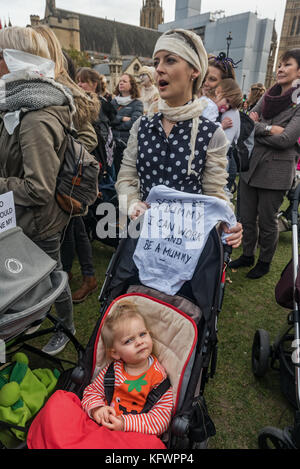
{"x":31,"y":95}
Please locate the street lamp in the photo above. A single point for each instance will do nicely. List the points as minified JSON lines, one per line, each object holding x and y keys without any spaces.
{"x":244,"y":76}
{"x":228,"y":39}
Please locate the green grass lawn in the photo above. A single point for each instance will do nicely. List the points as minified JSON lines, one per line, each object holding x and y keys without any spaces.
{"x":239,"y":404}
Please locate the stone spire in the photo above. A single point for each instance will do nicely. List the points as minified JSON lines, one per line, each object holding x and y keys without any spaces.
{"x":50,"y":8}
{"x":151,"y":14}
{"x":290,"y":33}
{"x":115,"y":63}
{"x":115,"y":49}
{"x":271,"y":61}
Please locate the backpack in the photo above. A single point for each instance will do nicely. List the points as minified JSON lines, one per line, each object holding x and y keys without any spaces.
{"x":242,"y":150}
{"x":77,"y":180}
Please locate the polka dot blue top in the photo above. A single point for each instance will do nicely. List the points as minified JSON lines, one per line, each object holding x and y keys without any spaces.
{"x":164,"y":160}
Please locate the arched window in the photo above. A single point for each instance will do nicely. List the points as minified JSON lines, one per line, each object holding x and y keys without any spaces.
{"x":136,"y":68}
{"x":293,"y":26}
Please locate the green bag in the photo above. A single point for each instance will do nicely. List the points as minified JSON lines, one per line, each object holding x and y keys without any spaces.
{"x":22,"y":393}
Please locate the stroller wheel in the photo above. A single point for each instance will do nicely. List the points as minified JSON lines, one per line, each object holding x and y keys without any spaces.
{"x":260,"y":353}
{"x":202,"y":445}
{"x":273,"y":438}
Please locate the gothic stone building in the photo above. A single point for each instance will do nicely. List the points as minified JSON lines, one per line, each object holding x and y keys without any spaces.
{"x":290,"y":33}
{"x":104,"y":38}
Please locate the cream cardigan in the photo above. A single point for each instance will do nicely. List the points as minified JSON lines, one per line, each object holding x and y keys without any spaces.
{"x":214,"y":175}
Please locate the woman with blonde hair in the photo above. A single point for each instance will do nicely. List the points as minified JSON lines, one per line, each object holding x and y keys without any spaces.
{"x":75,"y":238}
{"x":87,"y":106}
{"x":256,"y":92}
{"x":35,"y":110}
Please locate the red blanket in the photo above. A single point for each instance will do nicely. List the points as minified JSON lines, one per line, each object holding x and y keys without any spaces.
{"x":62,"y":424}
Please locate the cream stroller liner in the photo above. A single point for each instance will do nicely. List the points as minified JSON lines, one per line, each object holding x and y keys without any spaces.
{"x":174,"y":338}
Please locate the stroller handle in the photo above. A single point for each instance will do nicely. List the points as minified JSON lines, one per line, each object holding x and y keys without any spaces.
{"x":227,"y":253}
{"x":295,"y":196}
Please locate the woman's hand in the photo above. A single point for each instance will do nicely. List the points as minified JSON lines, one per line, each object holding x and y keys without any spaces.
{"x":276,"y":130}
{"x":227,"y":123}
{"x":115,"y":423}
{"x":126,"y":119}
{"x":139,"y":208}
{"x":254,"y":116}
{"x":236,"y":234}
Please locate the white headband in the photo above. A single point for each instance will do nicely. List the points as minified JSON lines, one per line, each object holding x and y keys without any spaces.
{"x":176,"y":43}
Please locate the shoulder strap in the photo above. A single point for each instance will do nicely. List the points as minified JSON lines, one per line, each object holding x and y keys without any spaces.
{"x":154,"y":395}
{"x":109,"y":383}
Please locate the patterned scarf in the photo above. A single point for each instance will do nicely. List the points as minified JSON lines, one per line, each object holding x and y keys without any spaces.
{"x":30,"y":93}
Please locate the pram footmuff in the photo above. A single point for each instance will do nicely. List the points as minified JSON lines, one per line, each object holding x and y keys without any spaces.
{"x":184,"y":331}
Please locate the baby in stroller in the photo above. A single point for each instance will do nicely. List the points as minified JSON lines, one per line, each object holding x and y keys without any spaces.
{"x":128,"y":341}
{"x":130,"y":395}
{"x":64,"y":422}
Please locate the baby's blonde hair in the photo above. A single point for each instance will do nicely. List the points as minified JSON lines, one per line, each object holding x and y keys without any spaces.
{"x":122,"y":312}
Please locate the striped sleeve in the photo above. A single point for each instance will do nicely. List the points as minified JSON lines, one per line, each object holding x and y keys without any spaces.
{"x":94,"y":395}
{"x":154,"y":422}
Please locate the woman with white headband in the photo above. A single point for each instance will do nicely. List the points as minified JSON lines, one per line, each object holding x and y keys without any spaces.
{"x":174,"y":146}
{"x":35,"y":110}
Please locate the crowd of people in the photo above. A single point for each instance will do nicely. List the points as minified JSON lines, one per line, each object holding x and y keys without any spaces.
{"x":175,"y":126}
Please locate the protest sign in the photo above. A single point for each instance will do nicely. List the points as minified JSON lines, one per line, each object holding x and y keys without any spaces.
{"x":7,"y":211}
{"x":175,"y":230}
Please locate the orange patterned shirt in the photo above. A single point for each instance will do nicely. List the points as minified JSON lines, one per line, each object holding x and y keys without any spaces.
{"x":130,"y":396}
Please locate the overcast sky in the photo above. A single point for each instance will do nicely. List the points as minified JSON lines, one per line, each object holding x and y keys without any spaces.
{"x":127,"y":11}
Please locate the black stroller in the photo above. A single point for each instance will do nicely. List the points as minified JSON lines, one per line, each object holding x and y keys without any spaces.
{"x":184,"y":328}
{"x":286,"y":348}
{"x":29,"y":287}
{"x":100,"y":210}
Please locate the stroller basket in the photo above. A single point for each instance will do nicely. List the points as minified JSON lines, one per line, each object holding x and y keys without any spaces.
{"x":28,"y":284}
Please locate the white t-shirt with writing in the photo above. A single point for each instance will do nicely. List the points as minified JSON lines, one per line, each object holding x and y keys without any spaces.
{"x":174,"y":232}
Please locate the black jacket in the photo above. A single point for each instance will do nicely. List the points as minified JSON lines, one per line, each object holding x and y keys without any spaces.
{"x":134,"y":110}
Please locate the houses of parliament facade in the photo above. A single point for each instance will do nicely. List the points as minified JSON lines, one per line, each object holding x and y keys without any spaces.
{"x":96,"y":35}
